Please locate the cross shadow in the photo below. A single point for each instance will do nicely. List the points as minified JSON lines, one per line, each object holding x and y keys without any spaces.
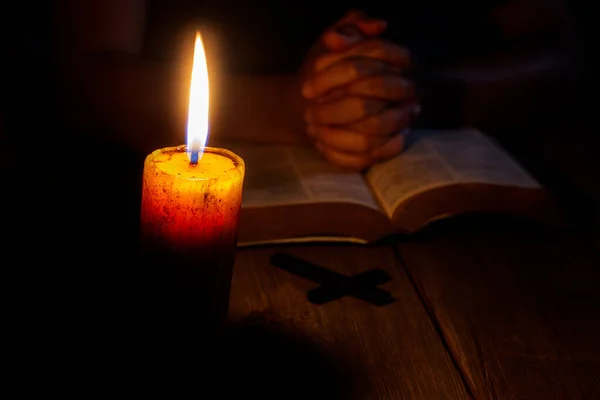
{"x":335,"y":285}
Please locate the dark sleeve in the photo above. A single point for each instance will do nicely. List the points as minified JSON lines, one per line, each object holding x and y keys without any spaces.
{"x":439,"y":32}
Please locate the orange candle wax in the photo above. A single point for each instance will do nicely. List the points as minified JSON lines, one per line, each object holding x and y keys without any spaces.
{"x":189,"y":207}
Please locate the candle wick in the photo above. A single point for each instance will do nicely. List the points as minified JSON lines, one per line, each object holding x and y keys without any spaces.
{"x":194,"y":158}
{"x":195,"y":153}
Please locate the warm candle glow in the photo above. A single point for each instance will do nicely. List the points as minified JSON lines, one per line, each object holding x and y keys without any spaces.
{"x":197,"y":128}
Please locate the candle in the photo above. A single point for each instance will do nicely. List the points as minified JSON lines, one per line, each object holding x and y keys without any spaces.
{"x":191,"y":198}
{"x":186,"y":206}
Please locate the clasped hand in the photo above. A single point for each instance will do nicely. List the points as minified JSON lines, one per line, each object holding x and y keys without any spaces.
{"x":359,"y":103}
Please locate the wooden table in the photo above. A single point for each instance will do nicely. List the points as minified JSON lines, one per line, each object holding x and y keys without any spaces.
{"x":485,"y":309}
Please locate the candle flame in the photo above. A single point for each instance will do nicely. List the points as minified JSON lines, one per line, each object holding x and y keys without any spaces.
{"x":197,"y":127}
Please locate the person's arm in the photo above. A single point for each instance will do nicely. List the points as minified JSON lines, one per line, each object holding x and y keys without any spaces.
{"x":143,"y":104}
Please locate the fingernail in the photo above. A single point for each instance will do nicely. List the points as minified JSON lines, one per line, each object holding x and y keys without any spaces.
{"x":311,"y":130}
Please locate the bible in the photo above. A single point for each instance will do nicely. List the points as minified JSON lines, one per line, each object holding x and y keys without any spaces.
{"x":292,"y":194}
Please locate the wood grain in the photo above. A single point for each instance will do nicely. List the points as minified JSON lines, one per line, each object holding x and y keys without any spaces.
{"x":518,"y":305}
{"x":391,"y":352}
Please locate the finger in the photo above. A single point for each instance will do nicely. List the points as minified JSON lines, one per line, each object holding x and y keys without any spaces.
{"x":358,"y":162}
{"x":340,"y":74}
{"x":349,"y":161}
{"x":346,"y":140}
{"x":350,"y":29}
{"x":344,"y":32}
{"x":390,"y":87}
{"x":393,"y":146}
{"x":389,"y":121}
{"x":342,"y":37}
{"x":344,"y":111}
{"x":376,"y":48}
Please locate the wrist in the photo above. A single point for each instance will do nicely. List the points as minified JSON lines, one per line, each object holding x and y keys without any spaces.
{"x":291,"y":119}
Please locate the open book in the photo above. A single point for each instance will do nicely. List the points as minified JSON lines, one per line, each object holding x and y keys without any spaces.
{"x":294,"y":194}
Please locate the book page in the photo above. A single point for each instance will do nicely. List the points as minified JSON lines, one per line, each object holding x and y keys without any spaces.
{"x":437,"y":158}
{"x":283,"y":175}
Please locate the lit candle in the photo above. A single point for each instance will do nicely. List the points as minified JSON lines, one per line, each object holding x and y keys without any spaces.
{"x":191,"y":198}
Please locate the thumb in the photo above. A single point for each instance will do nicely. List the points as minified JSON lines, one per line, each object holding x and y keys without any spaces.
{"x":351,"y":29}
{"x":342,"y":37}
{"x":371,"y":26}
